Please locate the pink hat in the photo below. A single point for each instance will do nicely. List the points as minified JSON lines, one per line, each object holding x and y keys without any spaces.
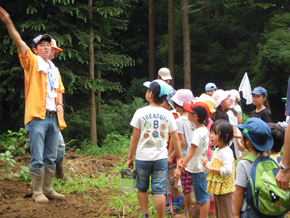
{"x":234,"y":94}
{"x":181,"y":96}
{"x":220,"y":95}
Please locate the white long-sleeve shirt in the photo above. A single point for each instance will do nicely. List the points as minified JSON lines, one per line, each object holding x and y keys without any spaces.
{"x":226,"y":156}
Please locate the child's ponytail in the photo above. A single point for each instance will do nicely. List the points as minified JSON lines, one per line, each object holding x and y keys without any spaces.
{"x":266,"y":104}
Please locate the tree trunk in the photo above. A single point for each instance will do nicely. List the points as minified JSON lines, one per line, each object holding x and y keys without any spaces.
{"x":92,"y":76}
{"x":99,"y":97}
{"x":151,"y":41}
{"x":186,"y":45}
{"x":171,"y":40}
{"x":160,"y":18}
{"x":217,"y":10}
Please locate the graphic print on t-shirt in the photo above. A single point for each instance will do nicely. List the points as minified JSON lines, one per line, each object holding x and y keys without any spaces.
{"x":154,"y":124}
{"x":147,"y":125}
{"x":163,"y":134}
{"x":149,"y":144}
{"x":155,"y":134}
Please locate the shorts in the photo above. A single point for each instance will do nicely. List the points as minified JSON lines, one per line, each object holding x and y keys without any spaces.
{"x":200,"y":187}
{"x":158,"y":171}
{"x":186,"y":182}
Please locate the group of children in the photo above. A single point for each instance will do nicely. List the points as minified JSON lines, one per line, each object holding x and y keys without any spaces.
{"x":178,"y":128}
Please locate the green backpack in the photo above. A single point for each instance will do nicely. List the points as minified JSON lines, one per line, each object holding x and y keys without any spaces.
{"x":263,"y":193}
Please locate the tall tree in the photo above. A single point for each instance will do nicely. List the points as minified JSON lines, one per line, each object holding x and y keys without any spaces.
{"x":151,"y":40}
{"x":67,"y":22}
{"x":171,"y":40}
{"x":99,"y":108}
{"x":93,"y":120}
{"x":186,"y":45}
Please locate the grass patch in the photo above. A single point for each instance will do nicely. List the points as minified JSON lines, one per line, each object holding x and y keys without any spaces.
{"x":126,"y":202}
{"x":114,"y":143}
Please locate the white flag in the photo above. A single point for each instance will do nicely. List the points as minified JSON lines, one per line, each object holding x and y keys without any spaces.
{"x":245,"y":87}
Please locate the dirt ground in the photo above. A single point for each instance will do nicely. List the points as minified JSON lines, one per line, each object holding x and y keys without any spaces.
{"x":16,"y":196}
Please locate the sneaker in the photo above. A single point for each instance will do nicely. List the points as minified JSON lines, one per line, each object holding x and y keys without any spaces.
{"x":178,"y":201}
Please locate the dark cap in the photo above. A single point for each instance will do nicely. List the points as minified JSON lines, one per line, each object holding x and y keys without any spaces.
{"x":38,"y":38}
{"x":201,"y":109}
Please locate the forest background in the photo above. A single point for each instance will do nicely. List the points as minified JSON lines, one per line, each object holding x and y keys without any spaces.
{"x":227,"y":39}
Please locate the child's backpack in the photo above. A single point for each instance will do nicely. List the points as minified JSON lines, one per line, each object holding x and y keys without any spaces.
{"x":263,"y":193}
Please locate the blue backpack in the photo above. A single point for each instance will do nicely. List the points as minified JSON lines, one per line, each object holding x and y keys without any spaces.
{"x":263,"y":193}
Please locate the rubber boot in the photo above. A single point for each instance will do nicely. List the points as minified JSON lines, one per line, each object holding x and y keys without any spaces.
{"x":38,"y":195}
{"x":47,"y":187}
{"x":211,"y":208}
{"x":59,"y":173}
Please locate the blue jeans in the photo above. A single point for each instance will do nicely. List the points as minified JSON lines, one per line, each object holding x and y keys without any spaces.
{"x":60,"y":154}
{"x":60,"y":149}
{"x":200,"y":187}
{"x":250,"y":213}
{"x":43,"y":136}
{"x":158,"y":171}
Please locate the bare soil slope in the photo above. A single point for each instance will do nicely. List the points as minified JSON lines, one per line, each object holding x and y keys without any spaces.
{"x":16,"y":196}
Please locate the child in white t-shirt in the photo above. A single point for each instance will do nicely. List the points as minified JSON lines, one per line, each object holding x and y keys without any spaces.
{"x":185,"y":130}
{"x":151,"y":126}
{"x":198,"y":112}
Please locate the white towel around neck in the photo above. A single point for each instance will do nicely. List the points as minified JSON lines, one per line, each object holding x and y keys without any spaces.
{"x":42,"y":66}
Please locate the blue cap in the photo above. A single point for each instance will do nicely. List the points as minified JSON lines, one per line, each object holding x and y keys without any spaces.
{"x":210,"y":86}
{"x":258,"y":132}
{"x":259,"y":91}
{"x":158,"y":87}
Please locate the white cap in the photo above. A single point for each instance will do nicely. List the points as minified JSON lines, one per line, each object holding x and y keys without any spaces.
{"x":164,"y":73}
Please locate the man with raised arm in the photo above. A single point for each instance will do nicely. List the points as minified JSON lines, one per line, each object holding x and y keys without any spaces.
{"x":43,"y":109}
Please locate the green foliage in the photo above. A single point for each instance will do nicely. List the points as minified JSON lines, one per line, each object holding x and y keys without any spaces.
{"x":6,"y":158}
{"x":115,"y":120}
{"x":24,"y":174}
{"x":136,"y":90}
{"x":15,"y":142}
{"x":112,"y":144}
{"x":116,"y":116}
{"x":228,"y":38}
{"x":79,"y":125}
{"x":67,"y":22}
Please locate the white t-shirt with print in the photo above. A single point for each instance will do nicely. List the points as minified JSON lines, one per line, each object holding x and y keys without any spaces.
{"x":155,"y":123}
{"x":200,"y":139}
